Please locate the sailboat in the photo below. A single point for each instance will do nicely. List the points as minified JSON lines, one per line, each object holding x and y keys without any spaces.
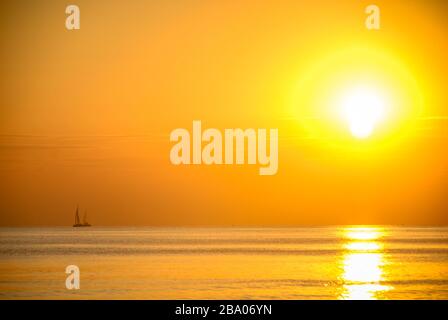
{"x":78,"y":220}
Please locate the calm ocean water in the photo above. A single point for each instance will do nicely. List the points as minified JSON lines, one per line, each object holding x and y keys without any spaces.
{"x":226,"y":263}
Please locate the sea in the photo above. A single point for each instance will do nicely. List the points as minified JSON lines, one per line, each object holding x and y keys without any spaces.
{"x":337,"y":262}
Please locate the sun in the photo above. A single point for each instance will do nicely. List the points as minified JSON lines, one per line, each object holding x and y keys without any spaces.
{"x":363,"y":98}
{"x":362,"y":108}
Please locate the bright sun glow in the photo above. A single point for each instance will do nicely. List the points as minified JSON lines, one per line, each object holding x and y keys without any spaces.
{"x":362,"y":108}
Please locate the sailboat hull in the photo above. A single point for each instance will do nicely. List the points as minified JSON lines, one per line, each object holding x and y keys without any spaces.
{"x":78,"y":221}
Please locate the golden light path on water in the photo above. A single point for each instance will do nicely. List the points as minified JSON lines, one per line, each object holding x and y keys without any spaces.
{"x":363,"y":264}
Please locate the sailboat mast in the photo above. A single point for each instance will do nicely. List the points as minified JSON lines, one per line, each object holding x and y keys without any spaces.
{"x":77,"y":215}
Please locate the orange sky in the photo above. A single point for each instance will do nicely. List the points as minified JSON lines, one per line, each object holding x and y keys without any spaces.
{"x":85,"y":116}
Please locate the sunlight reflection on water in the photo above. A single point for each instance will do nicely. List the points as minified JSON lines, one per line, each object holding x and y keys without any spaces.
{"x":363,"y":264}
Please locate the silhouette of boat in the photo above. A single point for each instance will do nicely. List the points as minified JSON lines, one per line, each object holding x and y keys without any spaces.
{"x":78,"y":221}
